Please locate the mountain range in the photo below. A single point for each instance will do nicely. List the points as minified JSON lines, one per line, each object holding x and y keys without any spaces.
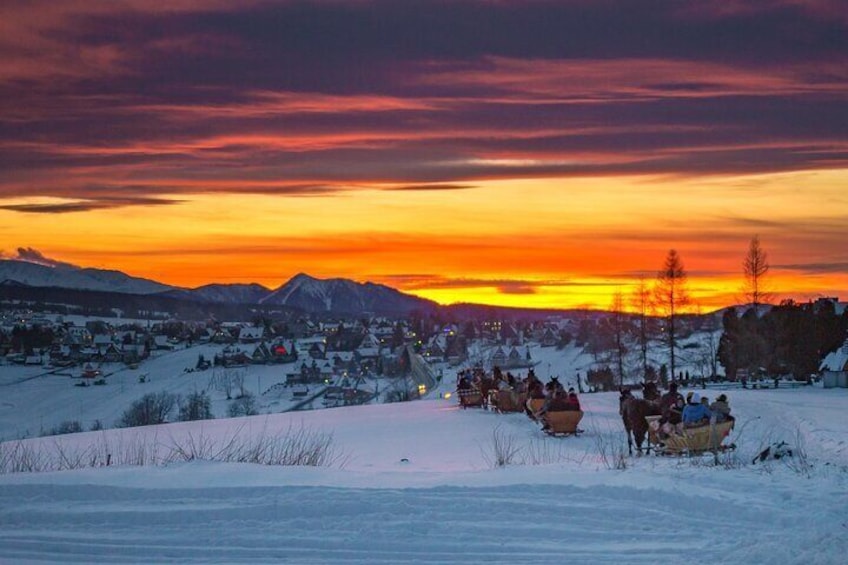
{"x":339,"y":296}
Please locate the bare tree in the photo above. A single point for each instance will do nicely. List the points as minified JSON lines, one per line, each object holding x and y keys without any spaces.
{"x":151,"y":409}
{"x":756,"y":267}
{"x":671,"y":295}
{"x":617,"y":321}
{"x":640,"y":301}
{"x":226,"y":380}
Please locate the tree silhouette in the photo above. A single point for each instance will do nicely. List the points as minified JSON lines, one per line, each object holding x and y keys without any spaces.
{"x":671,"y":295}
{"x":641,"y":302}
{"x":756,"y":266}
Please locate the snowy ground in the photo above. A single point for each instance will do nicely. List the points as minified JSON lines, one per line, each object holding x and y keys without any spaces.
{"x":418,"y":485}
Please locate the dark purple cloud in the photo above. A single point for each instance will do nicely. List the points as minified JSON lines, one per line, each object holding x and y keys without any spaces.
{"x":32,"y":255}
{"x":300,"y":97}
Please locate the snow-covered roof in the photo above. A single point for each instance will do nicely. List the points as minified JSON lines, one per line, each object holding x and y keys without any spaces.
{"x":837,"y":360}
{"x":251,"y":333}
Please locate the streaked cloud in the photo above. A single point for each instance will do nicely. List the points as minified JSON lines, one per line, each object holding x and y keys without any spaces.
{"x":534,"y":140}
{"x":85,"y":205}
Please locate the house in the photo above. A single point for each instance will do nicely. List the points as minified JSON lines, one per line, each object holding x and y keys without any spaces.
{"x":232,"y":357}
{"x":514,"y":358}
{"x":33,"y":360}
{"x":251,"y":334}
{"x":498,"y":358}
{"x":261,"y":354}
{"x":220,"y":335}
{"x":133,"y":353}
{"x":549,"y":338}
{"x":316,"y":351}
{"x":834,"y":368}
{"x":434,"y":352}
{"x":306,"y":373}
{"x":60,"y":355}
{"x":342,"y":360}
{"x":162,"y":342}
{"x":282,"y":352}
{"x":101,"y":340}
{"x":456,"y":349}
{"x":110,"y":353}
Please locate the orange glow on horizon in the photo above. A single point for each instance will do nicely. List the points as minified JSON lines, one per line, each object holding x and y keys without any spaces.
{"x":540,"y":243}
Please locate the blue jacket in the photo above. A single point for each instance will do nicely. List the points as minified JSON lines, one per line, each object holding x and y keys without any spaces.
{"x":694,"y":413}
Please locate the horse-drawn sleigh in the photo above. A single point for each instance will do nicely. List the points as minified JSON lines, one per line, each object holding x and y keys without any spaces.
{"x":642,"y":420}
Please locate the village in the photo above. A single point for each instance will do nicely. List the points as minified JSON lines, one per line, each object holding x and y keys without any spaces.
{"x":319,"y":350}
{"x":301,"y":364}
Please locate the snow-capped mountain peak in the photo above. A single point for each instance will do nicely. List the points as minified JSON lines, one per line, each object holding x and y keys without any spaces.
{"x":39,"y":275}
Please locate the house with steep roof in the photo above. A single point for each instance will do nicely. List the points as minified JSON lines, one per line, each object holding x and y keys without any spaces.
{"x":251,"y":334}
{"x":834,"y":368}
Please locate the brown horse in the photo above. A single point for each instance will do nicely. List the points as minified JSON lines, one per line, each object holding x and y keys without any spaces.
{"x":633,"y":411}
{"x":486,"y":383}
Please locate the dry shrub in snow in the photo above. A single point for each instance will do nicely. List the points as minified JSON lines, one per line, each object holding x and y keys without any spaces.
{"x":611,"y":448}
{"x":295,"y":446}
{"x":503,"y":449}
{"x":244,"y":405}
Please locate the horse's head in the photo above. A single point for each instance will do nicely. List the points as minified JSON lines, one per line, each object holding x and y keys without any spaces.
{"x":650,"y":391}
{"x":624,"y":395}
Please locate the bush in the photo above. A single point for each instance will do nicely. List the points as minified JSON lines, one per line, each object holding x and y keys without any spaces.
{"x":243,"y":406}
{"x":198,"y":406}
{"x":151,"y":409}
{"x":505,"y":449}
{"x":66,"y":427}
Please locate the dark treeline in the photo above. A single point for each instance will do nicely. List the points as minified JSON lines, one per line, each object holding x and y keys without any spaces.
{"x":789,"y":339}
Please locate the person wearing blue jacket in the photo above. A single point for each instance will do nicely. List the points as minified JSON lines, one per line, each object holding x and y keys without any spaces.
{"x":695,"y":414}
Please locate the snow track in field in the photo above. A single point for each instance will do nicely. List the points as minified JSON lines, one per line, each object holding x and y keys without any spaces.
{"x":509,"y":524}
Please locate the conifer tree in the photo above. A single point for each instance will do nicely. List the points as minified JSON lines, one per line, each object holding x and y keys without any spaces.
{"x":671,"y":295}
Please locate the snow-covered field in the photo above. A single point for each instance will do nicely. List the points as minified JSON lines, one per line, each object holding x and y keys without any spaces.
{"x":35,"y":399}
{"x":416,"y":483}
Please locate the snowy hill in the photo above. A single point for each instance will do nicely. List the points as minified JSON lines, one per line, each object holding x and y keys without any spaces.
{"x":343,"y":295}
{"x":415,"y":483}
{"x":224,"y":293}
{"x":32,"y":274}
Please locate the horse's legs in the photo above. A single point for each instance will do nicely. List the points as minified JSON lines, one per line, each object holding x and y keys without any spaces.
{"x":640,"y":439}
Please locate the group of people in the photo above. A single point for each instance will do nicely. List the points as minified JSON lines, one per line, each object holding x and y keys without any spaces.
{"x":693,"y":411}
{"x":521,"y":390}
{"x":556,"y":398}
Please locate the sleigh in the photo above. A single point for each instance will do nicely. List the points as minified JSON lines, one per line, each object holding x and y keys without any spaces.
{"x":562,"y":423}
{"x":470,"y":398}
{"x":692,"y":441}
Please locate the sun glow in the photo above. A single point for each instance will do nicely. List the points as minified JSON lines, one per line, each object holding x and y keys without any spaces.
{"x":553,"y":243}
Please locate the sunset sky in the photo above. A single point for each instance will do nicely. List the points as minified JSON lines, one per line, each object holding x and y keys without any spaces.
{"x":535,"y":153}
